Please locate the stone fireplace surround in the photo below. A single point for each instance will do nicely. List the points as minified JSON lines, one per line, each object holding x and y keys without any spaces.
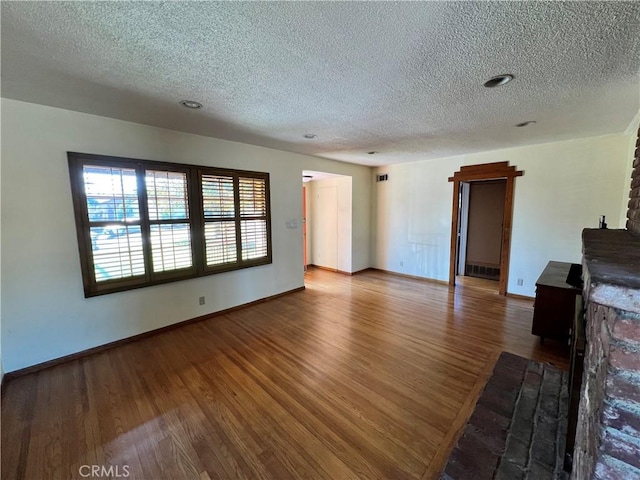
{"x":608,"y":434}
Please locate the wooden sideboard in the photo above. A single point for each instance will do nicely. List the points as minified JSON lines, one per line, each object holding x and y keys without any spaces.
{"x":555,"y":304}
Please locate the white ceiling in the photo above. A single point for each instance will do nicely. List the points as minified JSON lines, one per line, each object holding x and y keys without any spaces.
{"x":404,"y":79}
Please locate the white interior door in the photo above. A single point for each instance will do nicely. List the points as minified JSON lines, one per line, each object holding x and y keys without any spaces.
{"x":325,"y":234}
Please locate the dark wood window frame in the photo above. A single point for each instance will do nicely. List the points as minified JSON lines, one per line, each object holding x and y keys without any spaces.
{"x":195,"y":219}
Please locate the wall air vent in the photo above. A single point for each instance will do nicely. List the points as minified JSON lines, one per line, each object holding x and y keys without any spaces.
{"x":482,"y":271}
{"x":383,"y":177}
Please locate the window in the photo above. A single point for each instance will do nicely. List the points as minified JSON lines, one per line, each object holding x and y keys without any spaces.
{"x":142,"y":223}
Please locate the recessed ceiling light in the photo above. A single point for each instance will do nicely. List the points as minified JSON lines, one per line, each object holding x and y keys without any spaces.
{"x":191,"y":104}
{"x":498,"y":80}
{"x":373,"y":152}
{"x":310,"y":135}
{"x":307,"y":178}
{"x":524,"y":124}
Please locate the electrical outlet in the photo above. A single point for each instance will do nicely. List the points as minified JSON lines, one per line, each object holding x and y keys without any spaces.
{"x":520,"y":282}
{"x":201,"y":300}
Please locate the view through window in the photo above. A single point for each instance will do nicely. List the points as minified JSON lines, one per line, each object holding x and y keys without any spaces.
{"x":142,"y":222}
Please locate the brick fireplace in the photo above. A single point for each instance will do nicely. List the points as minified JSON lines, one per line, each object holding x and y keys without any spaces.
{"x":608,"y":434}
{"x":633,"y":214}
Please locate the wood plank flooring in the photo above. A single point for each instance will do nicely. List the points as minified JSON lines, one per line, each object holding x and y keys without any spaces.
{"x":369,"y":376}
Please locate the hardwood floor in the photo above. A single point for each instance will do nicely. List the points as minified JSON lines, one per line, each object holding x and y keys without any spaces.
{"x":368,"y":376}
{"x":490,"y":286}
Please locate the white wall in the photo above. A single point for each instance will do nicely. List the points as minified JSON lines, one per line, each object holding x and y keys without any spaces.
{"x":44,"y":312}
{"x":566,"y":187}
{"x":1,"y":362}
{"x":332,"y":226}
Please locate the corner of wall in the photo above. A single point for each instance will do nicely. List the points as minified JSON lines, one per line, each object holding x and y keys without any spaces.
{"x":373,"y":218}
{"x":632,"y":136}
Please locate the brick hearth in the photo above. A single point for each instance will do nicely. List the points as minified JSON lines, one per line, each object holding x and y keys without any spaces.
{"x":518,"y":426}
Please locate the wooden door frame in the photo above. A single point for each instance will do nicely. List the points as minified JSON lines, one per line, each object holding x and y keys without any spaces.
{"x":485,"y":171}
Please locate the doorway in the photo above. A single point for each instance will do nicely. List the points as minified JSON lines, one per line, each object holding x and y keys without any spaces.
{"x":327,"y":221}
{"x":305,"y":258}
{"x":463,"y":181}
{"x":481,"y":214}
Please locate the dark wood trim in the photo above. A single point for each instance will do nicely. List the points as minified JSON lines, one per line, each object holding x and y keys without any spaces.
{"x":455,"y":219}
{"x":159,"y":165}
{"x":195,"y":220}
{"x":521,"y":297}
{"x":506,"y":237}
{"x":328,"y":269}
{"x":358,"y":272}
{"x":145,"y":228}
{"x":412,"y":277}
{"x":341,"y":272}
{"x":485,"y":171}
{"x":100,"y":348}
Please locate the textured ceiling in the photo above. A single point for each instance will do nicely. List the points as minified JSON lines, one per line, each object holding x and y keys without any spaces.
{"x":404,"y":79}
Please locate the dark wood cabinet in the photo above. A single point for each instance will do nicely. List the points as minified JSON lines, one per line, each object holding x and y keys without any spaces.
{"x":555,"y":303}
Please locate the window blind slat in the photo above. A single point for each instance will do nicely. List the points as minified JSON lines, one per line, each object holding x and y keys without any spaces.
{"x":111,"y":193}
{"x":254,"y":239}
{"x":252,"y":193}
{"x":220,"y":243}
{"x":166,"y":195}
{"x":171,"y":247}
{"x":117,"y":255}
{"x":217,"y":196}
{"x":167,"y":199}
